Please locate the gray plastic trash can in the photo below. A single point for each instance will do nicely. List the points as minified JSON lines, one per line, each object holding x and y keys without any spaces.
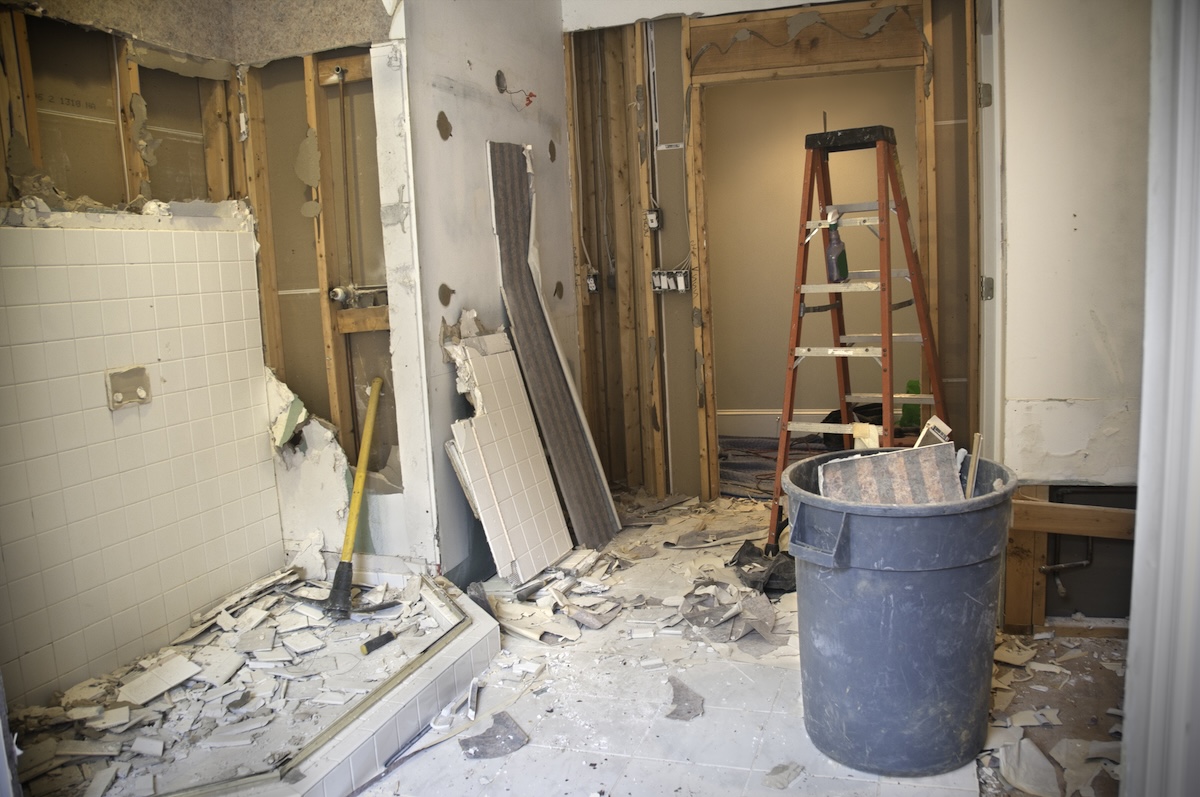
{"x":897,"y":615}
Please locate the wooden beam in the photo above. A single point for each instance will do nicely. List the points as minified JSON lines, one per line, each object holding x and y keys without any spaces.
{"x":649,"y":349}
{"x":1073,"y":519}
{"x":812,"y":70}
{"x":258,"y":191}
{"x":21,"y":105}
{"x":336,"y":372}
{"x":235,"y":95}
{"x":1024,"y":582}
{"x":706,"y":404}
{"x":582,"y":298}
{"x":350,"y":320}
{"x":621,"y":209}
{"x":343,"y":68}
{"x":137,"y":173}
{"x":214,"y":113}
{"x":927,"y":166}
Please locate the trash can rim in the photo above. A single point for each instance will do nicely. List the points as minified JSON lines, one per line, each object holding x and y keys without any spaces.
{"x":991,"y":498}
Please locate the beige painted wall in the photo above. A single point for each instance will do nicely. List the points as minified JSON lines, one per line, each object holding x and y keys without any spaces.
{"x":754,"y":165}
{"x":1075,"y":94}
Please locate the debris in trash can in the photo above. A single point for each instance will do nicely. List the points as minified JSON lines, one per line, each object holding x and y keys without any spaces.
{"x":924,"y":475}
{"x":936,"y":432}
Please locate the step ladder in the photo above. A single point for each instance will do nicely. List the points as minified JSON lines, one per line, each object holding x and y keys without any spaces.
{"x":878,"y":347}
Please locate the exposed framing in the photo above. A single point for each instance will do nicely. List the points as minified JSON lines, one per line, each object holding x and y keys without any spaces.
{"x":18,"y":108}
{"x":337,"y":377}
{"x":137,"y":173}
{"x":751,"y":47}
{"x":1034,"y":517}
{"x":615,"y":251}
{"x":257,"y":187}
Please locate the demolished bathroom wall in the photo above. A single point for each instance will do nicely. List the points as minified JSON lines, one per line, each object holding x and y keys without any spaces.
{"x":117,"y":524}
{"x":435,"y":112}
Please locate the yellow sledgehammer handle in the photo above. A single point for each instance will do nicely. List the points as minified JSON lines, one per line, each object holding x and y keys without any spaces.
{"x":360,"y":474}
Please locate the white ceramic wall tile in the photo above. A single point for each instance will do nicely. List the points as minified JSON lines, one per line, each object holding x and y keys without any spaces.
{"x":505,"y":465}
{"x":101,"y":521}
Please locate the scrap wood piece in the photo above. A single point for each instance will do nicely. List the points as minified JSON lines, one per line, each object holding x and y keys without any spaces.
{"x":782,"y":775}
{"x":907,"y":476}
{"x":573,"y":455}
{"x":1014,"y":653}
{"x":503,"y":738}
{"x":686,"y":703}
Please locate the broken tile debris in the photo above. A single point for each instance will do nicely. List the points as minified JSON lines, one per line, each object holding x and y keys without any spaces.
{"x":229,"y":698}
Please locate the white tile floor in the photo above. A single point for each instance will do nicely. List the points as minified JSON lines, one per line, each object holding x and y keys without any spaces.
{"x":600,"y":728}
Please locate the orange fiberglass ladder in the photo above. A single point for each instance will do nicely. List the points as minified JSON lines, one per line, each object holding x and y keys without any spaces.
{"x":878,"y":347}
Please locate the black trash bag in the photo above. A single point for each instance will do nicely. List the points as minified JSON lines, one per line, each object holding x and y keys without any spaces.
{"x":772,"y":575}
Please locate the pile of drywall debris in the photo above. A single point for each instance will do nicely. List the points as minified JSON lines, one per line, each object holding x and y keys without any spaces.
{"x":248,"y":689}
{"x":725,"y":605}
{"x":1044,"y":667}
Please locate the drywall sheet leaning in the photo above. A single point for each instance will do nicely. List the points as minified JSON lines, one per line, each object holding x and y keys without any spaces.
{"x":568,"y":441}
{"x":499,"y":460}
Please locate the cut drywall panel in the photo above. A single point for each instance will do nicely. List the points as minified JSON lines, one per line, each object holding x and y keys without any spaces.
{"x":1075,"y":242}
{"x":560,"y":416}
{"x":501,"y":463}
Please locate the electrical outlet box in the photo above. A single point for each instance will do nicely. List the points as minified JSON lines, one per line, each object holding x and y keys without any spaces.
{"x":654,"y":219}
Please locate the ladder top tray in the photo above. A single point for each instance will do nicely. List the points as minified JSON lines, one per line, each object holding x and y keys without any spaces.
{"x":851,"y":138}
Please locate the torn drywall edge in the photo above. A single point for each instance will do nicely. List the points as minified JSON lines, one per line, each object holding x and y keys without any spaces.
{"x":225,"y":216}
{"x":1077,"y":440}
{"x":151,"y":57}
{"x":535,"y":268}
{"x":286,"y":413}
{"x":406,"y":311}
{"x":313,"y":479}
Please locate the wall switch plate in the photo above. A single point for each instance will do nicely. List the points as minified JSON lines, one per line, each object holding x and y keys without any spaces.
{"x":127,"y":386}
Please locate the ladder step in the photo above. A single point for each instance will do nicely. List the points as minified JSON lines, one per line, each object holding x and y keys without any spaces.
{"x":867,"y":286}
{"x":897,"y":273}
{"x":897,"y":337}
{"x":824,"y":428}
{"x":839,"y":351}
{"x":899,"y":398}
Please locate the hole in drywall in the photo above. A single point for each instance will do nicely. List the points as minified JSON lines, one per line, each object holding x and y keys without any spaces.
{"x":444,"y":294}
{"x":553,"y":151}
{"x":445,"y":129}
{"x":501,"y":82}
{"x":558,"y":290}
